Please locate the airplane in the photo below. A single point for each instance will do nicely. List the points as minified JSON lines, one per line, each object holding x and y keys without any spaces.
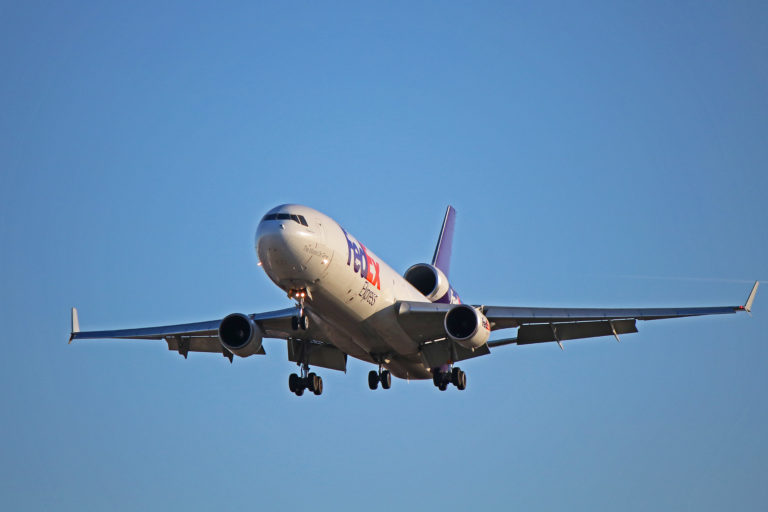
{"x":349,"y":303}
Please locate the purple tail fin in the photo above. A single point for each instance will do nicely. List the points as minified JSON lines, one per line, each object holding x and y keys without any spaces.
{"x":442,"y":257}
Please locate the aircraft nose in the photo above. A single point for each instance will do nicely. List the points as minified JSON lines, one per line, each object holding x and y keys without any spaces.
{"x":281,"y":248}
{"x":292,"y":255}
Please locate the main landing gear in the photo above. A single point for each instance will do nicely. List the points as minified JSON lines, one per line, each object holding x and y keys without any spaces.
{"x":455,"y":376}
{"x":375,"y":377}
{"x":311,"y":381}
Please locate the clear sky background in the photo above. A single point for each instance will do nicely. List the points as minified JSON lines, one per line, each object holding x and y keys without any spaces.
{"x":589,"y":150}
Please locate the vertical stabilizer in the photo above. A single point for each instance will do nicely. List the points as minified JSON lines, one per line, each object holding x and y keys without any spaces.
{"x":442,"y":257}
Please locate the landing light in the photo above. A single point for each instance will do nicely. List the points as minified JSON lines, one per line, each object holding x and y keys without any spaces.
{"x":259,"y":263}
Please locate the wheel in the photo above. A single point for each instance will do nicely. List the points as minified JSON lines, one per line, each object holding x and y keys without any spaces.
{"x":442,"y":386}
{"x":455,"y":376}
{"x":304,"y":322}
{"x":436,"y":377}
{"x":295,"y":323}
{"x":311,"y":381}
{"x":299,"y":391}
{"x":293,"y":382}
{"x":318,"y":386}
{"x":462,"y":381}
{"x":373,"y":379}
{"x":386,"y":379}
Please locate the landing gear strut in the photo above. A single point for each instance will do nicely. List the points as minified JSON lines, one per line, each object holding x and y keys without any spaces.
{"x":382,"y":376}
{"x":300,"y":321}
{"x":455,"y":376}
{"x":307,"y":380}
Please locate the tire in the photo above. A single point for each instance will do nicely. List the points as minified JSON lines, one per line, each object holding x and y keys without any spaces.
{"x":304,"y":322}
{"x":455,"y":373}
{"x":443,"y":386}
{"x":318,"y":386}
{"x":373,"y":379}
{"x":436,"y":378}
{"x":311,"y":381}
{"x":295,"y":323}
{"x":299,"y":391}
{"x":293,"y":382}
{"x":386,"y":379}
{"x":462,"y":381}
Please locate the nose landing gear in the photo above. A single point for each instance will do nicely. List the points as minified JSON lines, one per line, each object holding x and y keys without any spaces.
{"x":301,"y":321}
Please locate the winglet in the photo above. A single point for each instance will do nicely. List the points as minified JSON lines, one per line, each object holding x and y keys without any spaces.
{"x":442,"y":257}
{"x":748,"y":305}
{"x":75,"y":325}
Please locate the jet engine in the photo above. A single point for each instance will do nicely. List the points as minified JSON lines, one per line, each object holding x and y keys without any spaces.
{"x":240,"y":335}
{"x":429,"y":280}
{"x":467,"y":326}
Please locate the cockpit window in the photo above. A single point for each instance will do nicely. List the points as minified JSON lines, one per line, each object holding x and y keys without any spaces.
{"x":299,"y":219}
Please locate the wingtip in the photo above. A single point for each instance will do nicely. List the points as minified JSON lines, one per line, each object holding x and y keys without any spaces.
{"x":75,"y":325}
{"x":748,"y":305}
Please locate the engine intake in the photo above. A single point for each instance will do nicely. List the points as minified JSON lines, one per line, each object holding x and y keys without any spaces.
{"x":240,"y":335}
{"x":467,"y":326}
{"x":429,"y":280}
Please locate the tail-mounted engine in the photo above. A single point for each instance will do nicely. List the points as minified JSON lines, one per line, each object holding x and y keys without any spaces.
{"x":240,"y":335}
{"x":432,"y":283}
{"x":467,"y":326}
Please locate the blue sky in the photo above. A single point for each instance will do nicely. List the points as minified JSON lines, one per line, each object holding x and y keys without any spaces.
{"x":588,"y":149}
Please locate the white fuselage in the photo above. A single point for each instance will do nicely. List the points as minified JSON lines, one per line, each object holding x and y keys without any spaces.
{"x":351,"y":291}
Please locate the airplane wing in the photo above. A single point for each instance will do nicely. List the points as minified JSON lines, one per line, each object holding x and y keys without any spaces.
{"x":538,"y":325}
{"x":192,"y":337}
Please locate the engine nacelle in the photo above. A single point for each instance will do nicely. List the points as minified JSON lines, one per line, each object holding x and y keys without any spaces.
{"x":430,"y":281}
{"x":240,"y":335}
{"x":467,"y":326}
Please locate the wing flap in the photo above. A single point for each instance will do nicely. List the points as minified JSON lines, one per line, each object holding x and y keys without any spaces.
{"x":181,"y":345}
{"x":443,"y":352}
{"x":317,"y":354}
{"x":540,"y":333}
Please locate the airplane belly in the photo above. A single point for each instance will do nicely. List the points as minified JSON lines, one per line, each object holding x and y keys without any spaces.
{"x":375,"y":330}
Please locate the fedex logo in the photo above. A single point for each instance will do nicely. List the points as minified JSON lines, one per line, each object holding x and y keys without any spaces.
{"x":361,"y":262}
